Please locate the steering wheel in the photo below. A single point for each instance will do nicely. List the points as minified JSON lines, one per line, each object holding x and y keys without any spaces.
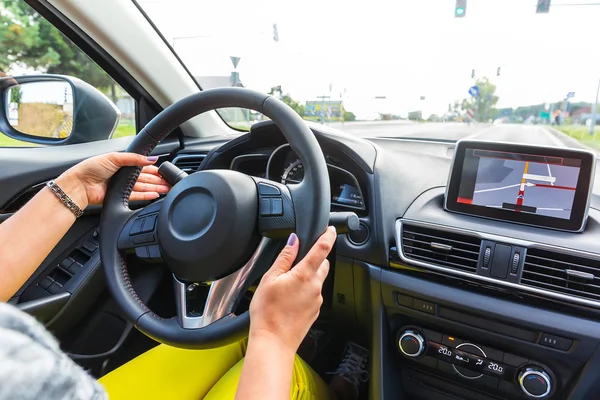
{"x":213,"y":226}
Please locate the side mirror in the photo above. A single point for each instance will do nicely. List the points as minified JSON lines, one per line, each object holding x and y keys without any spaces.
{"x":55,"y":110}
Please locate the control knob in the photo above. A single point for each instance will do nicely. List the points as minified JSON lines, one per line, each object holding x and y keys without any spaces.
{"x":411,"y":343}
{"x":535,"y":382}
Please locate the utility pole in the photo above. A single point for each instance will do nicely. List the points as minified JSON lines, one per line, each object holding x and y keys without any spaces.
{"x":594,"y":111}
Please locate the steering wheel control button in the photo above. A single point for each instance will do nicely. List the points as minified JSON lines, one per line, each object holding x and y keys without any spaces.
{"x":555,"y":342}
{"x":142,"y":239}
{"x":265,"y":189}
{"x":141,"y":252}
{"x":265,"y":207}
{"x":136,"y":227}
{"x":535,"y":382}
{"x":149,"y":223}
{"x":411,"y":344}
{"x":424,"y":306}
{"x":277,"y":207}
{"x":154,"y":252}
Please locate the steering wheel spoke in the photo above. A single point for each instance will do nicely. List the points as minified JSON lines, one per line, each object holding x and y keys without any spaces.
{"x":276,"y":214}
{"x":139,"y":234}
{"x":222,"y":298}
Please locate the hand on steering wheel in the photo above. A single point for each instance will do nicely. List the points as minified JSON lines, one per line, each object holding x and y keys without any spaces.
{"x":287,"y":301}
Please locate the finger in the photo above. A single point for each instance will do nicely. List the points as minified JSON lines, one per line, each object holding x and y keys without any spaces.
{"x":131,"y":159}
{"x":150,"y":187}
{"x":150,"y":169}
{"x":150,"y":178}
{"x":323,"y":271}
{"x":138,"y":196}
{"x":286,"y":258}
{"x":319,"y":251}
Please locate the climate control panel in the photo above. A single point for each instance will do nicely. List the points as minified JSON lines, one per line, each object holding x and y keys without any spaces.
{"x":476,"y":364}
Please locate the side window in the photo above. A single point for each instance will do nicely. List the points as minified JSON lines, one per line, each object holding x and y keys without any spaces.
{"x":31,"y":45}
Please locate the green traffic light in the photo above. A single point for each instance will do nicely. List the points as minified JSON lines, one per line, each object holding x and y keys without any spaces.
{"x":460,"y":11}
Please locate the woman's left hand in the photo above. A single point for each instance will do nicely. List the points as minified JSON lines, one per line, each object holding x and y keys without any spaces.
{"x":90,"y":177}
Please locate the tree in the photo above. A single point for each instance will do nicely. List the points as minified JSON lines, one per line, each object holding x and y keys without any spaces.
{"x":349,"y":116}
{"x":30,"y":40}
{"x":287,"y":99}
{"x":484,"y":104}
{"x":16,"y":94}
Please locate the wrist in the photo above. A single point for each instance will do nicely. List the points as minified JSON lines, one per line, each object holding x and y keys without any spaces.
{"x":257,"y":337}
{"x":74,"y":188}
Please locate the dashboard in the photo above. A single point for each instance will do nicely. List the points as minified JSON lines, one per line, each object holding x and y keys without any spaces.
{"x":283,"y":165}
{"x":455,"y":303}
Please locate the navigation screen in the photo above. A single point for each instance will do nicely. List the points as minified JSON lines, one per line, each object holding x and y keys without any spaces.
{"x":541,"y":186}
{"x":528,"y":183}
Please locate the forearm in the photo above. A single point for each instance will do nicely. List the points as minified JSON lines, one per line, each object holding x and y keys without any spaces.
{"x":267,"y":370}
{"x":31,"y":233}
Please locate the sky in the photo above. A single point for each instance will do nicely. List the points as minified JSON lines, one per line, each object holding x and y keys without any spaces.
{"x":401,"y":49}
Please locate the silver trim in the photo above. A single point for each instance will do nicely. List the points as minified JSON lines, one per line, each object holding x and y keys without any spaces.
{"x":589,"y":196}
{"x":222,"y":295}
{"x":416,"y":336}
{"x":498,"y":238}
{"x":541,"y":374}
{"x":478,"y":348}
{"x":189,"y":156}
{"x":580,"y":274}
{"x":440,"y":246}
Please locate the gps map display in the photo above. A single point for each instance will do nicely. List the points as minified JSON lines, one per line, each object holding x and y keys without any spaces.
{"x":527,"y":183}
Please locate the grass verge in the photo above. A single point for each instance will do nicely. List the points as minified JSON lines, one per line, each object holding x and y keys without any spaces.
{"x":582,"y":133}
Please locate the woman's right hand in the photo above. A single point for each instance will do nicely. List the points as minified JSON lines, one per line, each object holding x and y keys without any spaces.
{"x":287,"y":300}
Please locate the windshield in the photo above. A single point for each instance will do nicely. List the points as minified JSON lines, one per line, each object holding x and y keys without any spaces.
{"x":511,"y":70}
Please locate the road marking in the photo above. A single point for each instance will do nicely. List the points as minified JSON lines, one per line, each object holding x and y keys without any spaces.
{"x":500,"y":188}
{"x":542,"y":178}
{"x":479,"y":132}
{"x":550,"y":174}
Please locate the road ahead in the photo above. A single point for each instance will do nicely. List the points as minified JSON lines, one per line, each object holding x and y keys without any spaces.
{"x":531,"y":134}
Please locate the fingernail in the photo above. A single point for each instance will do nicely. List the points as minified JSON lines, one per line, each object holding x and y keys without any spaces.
{"x":333,"y":228}
{"x":152,"y":158}
{"x":292,"y":239}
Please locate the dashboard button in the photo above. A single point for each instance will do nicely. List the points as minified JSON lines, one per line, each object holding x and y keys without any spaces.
{"x":74,"y":268}
{"x":451,"y":341}
{"x":46,"y":282}
{"x":90,"y":247}
{"x":277,"y":206}
{"x":513,"y":360}
{"x":268,"y":190}
{"x":54,"y":288}
{"x":555,"y":342}
{"x":432,"y":335}
{"x":66,"y":263}
{"x":500,"y":261}
{"x":424,"y":306}
{"x":405,"y":301}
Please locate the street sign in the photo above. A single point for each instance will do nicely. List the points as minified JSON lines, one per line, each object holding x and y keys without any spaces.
{"x":235,"y":61}
{"x":471,"y":113}
{"x":544,"y":115}
{"x":570,"y":95}
{"x":474,"y":91}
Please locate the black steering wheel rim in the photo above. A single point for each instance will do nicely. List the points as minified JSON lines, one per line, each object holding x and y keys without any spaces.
{"x":310,"y":201}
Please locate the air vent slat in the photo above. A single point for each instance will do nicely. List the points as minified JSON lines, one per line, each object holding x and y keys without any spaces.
{"x":189,"y":162}
{"x":455,"y":248}
{"x":409,"y":247}
{"x":473,"y":245}
{"x":547,"y":270}
{"x":439,"y":247}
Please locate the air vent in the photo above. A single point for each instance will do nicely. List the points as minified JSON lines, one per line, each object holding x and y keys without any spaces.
{"x":189,"y":162}
{"x":562,"y":273}
{"x":448,"y":249}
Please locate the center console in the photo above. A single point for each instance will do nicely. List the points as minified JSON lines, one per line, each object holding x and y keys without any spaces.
{"x":479,"y":365}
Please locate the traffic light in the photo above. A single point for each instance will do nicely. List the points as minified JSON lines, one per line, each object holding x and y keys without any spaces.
{"x":498,"y":72}
{"x":461,"y":8}
{"x":473,"y":73}
{"x":275,"y":33}
{"x":543,"y":6}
